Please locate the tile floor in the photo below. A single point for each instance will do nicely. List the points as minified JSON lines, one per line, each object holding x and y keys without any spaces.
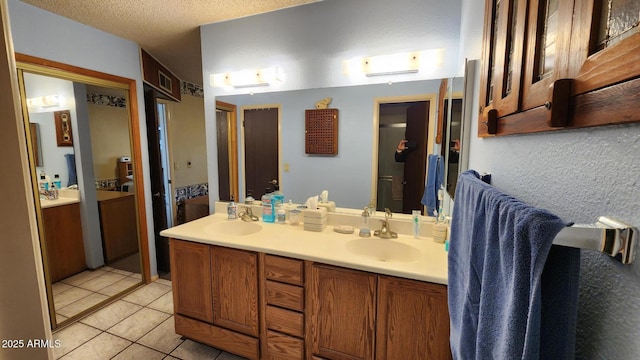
{"x":138,"y":326}
{"x":86,"y":289}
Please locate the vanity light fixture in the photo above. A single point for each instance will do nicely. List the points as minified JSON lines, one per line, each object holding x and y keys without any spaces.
{"x":402,"y":63}
{"x":44,"y":101}
{"x":248,"y":78}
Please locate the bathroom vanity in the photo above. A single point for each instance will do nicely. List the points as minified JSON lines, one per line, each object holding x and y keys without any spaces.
{"x":273,"y":291}
{"x":63,"y":236}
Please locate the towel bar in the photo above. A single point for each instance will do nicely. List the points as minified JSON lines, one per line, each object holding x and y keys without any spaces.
{"x":607,"y":235}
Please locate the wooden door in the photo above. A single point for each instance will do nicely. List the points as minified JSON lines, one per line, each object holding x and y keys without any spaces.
{"x":415,"y":163}
{"x":342,"y":312}
{"x":235,"y":289}
{"x":260,"y":149}
{"x":191,"y":280}
{"x":412,"y":320}
{"x":157,"y":183}
{"x":222,"y":136}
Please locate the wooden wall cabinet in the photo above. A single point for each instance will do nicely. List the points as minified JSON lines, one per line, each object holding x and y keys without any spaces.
{"x":359,"y":315}
{"x":63,"y":240}
{"x":549,"y":65}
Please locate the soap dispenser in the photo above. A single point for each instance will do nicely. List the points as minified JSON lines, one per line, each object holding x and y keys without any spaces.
{"x":364,"y":227}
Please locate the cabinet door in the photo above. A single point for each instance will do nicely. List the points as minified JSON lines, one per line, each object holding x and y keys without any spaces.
{"x":63,"y":241}
{"x":342,"y":313}
{"x":547,"y":51}
{"x":191,"y":279}
{"x":503,"y":48}
{"x":235,"y":289}
{"x":605,"y":43}
{"x":413,"y":320}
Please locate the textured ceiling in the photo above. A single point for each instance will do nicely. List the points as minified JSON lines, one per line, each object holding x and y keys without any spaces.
{"x":167,"y":29}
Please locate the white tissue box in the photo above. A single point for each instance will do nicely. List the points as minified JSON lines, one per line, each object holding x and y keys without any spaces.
{"x":314,"y":213}
{"x":329,"y":205}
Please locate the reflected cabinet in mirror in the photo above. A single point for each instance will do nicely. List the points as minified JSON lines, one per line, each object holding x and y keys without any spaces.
{"x":84,"y":160}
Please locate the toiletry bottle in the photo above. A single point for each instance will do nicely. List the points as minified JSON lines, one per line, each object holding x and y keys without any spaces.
{"x":249,"y":199}
{"x":42,"y":187}
{"x":232,"y":211}
{"x":44,"y":181}
{"x":415,"y":219}
{"x":57,"y":182}
{"x":364,"y":226}
{"x":277,"y":195}
{"x":281,"y":214}
{"x":267,"y":206}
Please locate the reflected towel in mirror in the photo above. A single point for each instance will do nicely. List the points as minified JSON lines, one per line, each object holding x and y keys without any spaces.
{"x":397,"y":185}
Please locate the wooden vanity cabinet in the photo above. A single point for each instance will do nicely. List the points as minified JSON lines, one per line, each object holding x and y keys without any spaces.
{"x":359,"y":315}
{"x":550,"y":64}
{"x":215,"y":294}
{"x":63,"y":240}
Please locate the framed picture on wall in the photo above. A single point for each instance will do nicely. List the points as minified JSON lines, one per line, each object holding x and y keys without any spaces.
{"x":63,"y":128}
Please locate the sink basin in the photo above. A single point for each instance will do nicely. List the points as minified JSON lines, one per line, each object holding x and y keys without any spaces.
{"x":383,"y":250}
{"x":232,"y":228}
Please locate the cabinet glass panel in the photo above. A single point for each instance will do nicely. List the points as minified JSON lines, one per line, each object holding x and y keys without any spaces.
{"x":511,"y":46}
{"x":494,"y":41}
{"x":618,"y":20}
{"x":547,"y":38}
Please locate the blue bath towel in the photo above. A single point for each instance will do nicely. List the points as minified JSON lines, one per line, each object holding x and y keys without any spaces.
{"x":435,"y":178}
{"x":512,"y":295}
{"x":71,"y":168}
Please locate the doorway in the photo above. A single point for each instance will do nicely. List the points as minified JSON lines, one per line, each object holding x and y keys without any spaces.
{"x":399,"y":186}
{"x":261,"y":149}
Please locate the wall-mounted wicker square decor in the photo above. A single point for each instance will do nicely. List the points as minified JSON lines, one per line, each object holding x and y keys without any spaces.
{"x":321,"y":131}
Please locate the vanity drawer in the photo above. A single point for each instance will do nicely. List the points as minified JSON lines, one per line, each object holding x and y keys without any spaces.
{"x":284,"y":347}
{"x":285,"y":321}
{"x":285,"y":295}
{"x":284,"y":269}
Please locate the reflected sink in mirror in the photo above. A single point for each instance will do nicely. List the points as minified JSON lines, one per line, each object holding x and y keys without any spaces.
{"x":232,"y":228}
{"x":383,"y":250}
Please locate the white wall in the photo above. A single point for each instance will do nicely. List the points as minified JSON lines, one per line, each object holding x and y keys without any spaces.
{"x":40,"y":33}
{"x":579,"y":175}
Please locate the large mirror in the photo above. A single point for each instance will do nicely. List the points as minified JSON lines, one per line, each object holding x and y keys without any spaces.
{"x":372,"y":121}
{"x":88,"y":198}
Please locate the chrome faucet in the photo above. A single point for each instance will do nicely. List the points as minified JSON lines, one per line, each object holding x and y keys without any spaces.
{"x":246,"y":214}
{"x":385,"y":230}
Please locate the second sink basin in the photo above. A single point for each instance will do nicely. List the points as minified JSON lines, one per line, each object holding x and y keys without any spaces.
{"x":233,"y":228}
{"x":383,"y":250}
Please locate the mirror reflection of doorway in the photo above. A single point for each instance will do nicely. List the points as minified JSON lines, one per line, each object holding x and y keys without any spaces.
{"x":89,"y":235}
{"x":401,"y":184}
{"x":260,"y":149}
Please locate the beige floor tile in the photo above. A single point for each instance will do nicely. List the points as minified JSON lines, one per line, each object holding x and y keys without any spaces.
{"x":191,"y":350}
{"x":60,"y":318}
{"x":139,"y":352}
{"x":82,"y":304}
{"x":119,"y":286}
{"x":163,"y":337}
{"x":73,"y":336}
{"x":69,"y":296}
{"x":78,"y":279}
{"x":111,"y":315}
{"x":163,"y":282}
{"x":147,"y":294}
{"x":122,"y":272}
{"x":138,"y":324}
{"x":164,"y":303}
{"x":59,"y":287}
{"x":102,"y":281}
{"x":137,"y":276}
{"x":101,"y":347}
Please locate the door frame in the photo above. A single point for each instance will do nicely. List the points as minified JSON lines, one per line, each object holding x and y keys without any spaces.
{"x":431,"y":98}
{"x":242,"y":142}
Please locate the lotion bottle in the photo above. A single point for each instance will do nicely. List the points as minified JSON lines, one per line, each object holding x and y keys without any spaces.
{"x":415,"y":219}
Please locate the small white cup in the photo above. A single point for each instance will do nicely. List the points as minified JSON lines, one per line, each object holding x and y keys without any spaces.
{"x":439,"y":233}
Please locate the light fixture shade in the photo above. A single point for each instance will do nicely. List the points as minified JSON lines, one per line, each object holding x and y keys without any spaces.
{"x":248,"y":78}
{"x":402,"y":63}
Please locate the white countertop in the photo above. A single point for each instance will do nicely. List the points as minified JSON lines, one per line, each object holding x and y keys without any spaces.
{"x":328,"y":247}
{"x":65,"y":197}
